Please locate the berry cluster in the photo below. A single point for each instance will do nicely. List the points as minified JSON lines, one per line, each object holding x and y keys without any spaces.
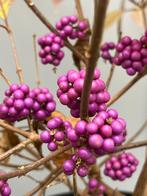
{"x":95,"y":187}
{"x":41,"y":103}
{"x":5,"y":189}
{"x":131,"y":54}
{"x":70,"y":27}
{"x":55,"y":133}
{"x":20,"y":102}
{"x":121,"y":166}
{"x":51,"y":52}
{"x":13,"y":107}
{"x":104,"y":132}
{"x":70,"y":90}
{"x":92,"y":139}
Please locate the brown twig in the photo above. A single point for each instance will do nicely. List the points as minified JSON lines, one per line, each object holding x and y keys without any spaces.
{"x":79,"y":9}
{"x":100,"y":8}
{"x":51,"y":28}
{"x":24,"y":157}
{"x":44,"y":182}
{"x":5,"y":77}
{"x":119,"y":33}
{"x":126,"y":87}
{"x":32,"y":166}
{"x":132,"y":145}
{"x":17,"y":148}
{"x":13,"y":45}
{"x":14,"y":129}
{"x":110,"y":76}
{"x":38,"y":81}
{"x":141,"y":184}
{"x":135,"y":3}
{"x":110,"y":191}
{"x":75,"y":184}
{"x":11,"y":165}
{"x":48,"y":183}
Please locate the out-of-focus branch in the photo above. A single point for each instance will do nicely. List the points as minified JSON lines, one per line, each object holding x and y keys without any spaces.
{"x":13,"y":45}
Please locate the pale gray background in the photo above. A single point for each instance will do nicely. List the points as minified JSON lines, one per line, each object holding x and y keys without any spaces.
{"x":132,"y":106}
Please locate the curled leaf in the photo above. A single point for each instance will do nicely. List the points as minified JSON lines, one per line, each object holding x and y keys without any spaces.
{"x":112,"y":17}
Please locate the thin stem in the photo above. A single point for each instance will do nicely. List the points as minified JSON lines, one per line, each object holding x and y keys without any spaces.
{"x":14,"y":129}
{"x":132,"y":145}
{"x":13,"y":45}
{"x":79,"y":9}
{"x":17,"y":148}
{"x":57,"y":174}
{"x":11,"y":165}
{"x":100,"y":8}
{"x":38,"y":81}
{"x":135,"y":3}
{"x":43,"y":183}
{"x":51,"y":28}
{"x":141,"y":184}
{"x":24,"y":157}
{"x":32,"y":166}
{"x":119,"y":33}
{"x":74,"y":184}
{"x":126,"y":87}
{"x":110,"y":191}
{"x":110,"y":76}
{"x":5,"y":77}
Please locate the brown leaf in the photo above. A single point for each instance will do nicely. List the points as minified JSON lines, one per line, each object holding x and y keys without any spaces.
{"x":58,"y":161}
{"x":112,"y":17}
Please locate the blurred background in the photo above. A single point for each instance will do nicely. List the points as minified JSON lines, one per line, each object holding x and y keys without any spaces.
{"x":132,"y":106}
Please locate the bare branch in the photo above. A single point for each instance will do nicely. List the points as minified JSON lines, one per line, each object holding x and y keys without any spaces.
{"x":100,"y":8}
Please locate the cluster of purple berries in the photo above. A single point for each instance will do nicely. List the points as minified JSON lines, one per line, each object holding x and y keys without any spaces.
{"x":20,"y":102}
{"x":5,"y":189}
{"x":95,"y":187}
{"x":41,"y":103}
{"x":92,"y":139}
{"x":13,"y":107}
{"x":121,"y":166}
{"x":131,"y":54}
{"x":103,"y":133}
{"x":70,"y":27}
{"x":51,"y":52}
{"x":55,"y":133}
{"x":70,"y":90}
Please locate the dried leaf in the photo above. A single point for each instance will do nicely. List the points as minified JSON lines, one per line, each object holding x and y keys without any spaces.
{"x":112,"y":17}
{"x":58,"y":161}
{"x":6,"y":6}
{"x":7,"y":141}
